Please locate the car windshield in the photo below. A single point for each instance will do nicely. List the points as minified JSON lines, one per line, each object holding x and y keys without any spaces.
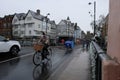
{"x":2,"y":38}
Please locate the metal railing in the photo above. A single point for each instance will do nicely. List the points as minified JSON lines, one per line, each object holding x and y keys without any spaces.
{"x":97,"y":55}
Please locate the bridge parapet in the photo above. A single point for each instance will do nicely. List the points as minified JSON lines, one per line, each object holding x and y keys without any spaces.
{"x":103,"y":67}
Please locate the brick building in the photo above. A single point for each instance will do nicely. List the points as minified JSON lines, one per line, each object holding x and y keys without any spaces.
{"x":111,"y":68}
{"x":0,"y":26}
{"x":6,"y":26}
{"x":105,"y":27}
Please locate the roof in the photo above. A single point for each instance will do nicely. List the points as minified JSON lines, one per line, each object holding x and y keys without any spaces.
{"x":62,"y":21}
{"x":52,"y":22}
{"x":0,"y":18}
{"x":65,"y":21}
{"x":20,"y":16}
{"x":36,"y":16}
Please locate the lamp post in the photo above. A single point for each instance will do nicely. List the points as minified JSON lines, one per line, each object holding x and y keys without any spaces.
{"x":68,"y":28}
{"x":47,"y":22}
{"x":94,"y":15}
{"x":68,"y":21}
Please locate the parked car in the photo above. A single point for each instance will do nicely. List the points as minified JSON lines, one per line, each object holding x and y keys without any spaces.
{"x":10,"y":46}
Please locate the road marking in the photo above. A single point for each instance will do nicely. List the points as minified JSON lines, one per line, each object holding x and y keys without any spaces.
{"x":16,"y":58}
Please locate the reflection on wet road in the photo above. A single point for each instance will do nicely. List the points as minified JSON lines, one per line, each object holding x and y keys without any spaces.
{"x":42,"y":71}
{"x":22,"y":68}
{"x":5,"y":56}
{"x":7,"y":68}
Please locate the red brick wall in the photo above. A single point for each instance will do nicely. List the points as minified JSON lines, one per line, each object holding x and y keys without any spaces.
{"x":113,"y":48}
{"x":110,"y":70}
{"x":7,"y":29}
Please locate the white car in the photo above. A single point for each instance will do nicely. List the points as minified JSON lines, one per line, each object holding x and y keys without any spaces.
{"x":9,"y":46}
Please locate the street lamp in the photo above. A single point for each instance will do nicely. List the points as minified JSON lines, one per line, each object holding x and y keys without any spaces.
{"x":68,"y":21}
{"x":68,"y":28}
{"x":94,"y":15}
{"x":46,"y":21}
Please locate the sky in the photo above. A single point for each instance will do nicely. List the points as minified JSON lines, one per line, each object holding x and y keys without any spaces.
{"x":77,"y":10}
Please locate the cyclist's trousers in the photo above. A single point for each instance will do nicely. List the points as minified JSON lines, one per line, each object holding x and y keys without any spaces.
{"x":45,"y":51}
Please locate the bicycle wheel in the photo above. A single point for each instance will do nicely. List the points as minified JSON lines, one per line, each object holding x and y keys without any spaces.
{"x":49,"y":53}
{"x":67,"y":49}
{"x":37,"y":71}
{"x":49,"y":65}
{"x":37,"y":58}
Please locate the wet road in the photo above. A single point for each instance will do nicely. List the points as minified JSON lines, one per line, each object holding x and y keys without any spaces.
{"x":22,"y":67}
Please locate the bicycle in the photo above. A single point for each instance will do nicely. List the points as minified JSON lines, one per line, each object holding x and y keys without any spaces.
{"x":38,"y":57}
{"x":41,"y":72}
{"x":69,"y":46}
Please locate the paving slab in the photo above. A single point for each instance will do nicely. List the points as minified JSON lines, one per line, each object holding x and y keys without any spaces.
{"x":78,"y":68}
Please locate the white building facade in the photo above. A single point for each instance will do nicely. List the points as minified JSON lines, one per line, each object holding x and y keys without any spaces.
{"x":31,"y":24}
{"x":68,"y":30}
{"x":78,"y":33}
{"x":65,"y":28}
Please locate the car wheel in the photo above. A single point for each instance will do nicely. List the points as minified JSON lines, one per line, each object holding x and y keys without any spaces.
{"x":14,"y":50}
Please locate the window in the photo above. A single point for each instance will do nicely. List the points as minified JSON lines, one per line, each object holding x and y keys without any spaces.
{"x":9,"y":24}
{"x":30,"y":32}
{"x":8,"y":33}
{"x":23,"y":26}
{"x":5,"y":25}
{"x":47,"y":28}
{"x":15,"y":20}
{"x":52,"y":27}
{"x":29,"y":18}
{"x":22,"y":32}
{"x":38,"y":33}
{"x":38,"y":25}
{"x":9,"y":18}
{"x":15,"y":32}
{"x":44,"y":26}
{"x":15,"y":27}
{"x":29,"y":25}
{"x":2,"y":38}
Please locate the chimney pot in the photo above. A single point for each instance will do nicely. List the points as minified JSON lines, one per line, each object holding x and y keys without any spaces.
{"x":38,"y":12}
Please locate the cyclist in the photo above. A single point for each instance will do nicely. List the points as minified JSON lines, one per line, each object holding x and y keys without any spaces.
{"x":69,"y":44}
{"x":45,"y":41}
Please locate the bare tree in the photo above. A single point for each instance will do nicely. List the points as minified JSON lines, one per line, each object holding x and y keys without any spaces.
{"x":99,"y":23}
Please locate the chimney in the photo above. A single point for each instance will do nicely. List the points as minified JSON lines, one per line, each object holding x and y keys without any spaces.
{"x":38,"y":12}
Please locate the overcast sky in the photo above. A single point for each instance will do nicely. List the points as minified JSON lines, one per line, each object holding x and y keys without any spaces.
{"x":77,"y":10}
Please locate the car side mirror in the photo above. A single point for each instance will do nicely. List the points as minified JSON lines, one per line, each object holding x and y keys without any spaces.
{"x":8,"y":39}
{"x":5,"y":40}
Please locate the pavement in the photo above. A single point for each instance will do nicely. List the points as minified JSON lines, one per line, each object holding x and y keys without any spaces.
{"x":78,"y":68}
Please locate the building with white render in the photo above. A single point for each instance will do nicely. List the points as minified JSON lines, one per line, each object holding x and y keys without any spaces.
{"x":30,"y":25}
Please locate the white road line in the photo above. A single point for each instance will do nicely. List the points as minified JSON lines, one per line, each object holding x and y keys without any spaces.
{"x":16,"y":58}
